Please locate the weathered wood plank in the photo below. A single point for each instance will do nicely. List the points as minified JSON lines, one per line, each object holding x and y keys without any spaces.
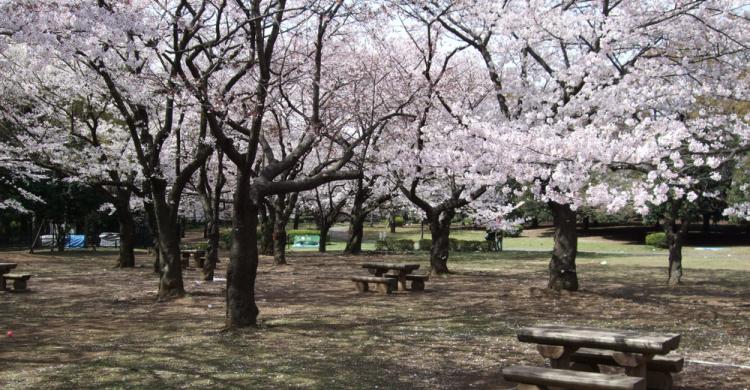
{"x":619,"y":340}
{"x":393,"y":266}
{"x":665,"y":363}
{"x":578,"y":380}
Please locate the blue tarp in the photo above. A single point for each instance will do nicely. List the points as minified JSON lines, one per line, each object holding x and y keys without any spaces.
{"x":307,"y":241}
{"x":75,"y":241}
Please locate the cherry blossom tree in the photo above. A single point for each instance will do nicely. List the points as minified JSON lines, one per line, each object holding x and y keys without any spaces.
{"x":569,"y":76}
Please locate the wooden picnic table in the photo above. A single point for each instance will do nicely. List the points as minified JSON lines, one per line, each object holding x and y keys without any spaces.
{"x":6,"y":267}
{"x":630,"y":349}
{"x":198,"y":255}
{"x":402,"y":269}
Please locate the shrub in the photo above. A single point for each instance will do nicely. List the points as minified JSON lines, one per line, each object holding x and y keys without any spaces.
{"x":399,"y":221}
{"x":658,"y":240}
{"x":425,"y":244}
{"x":514,"y":232}
{"x":290,"y":234}
{"x":225,"y":238}
{"x":391,"y":244}
{"x":466,"y":245}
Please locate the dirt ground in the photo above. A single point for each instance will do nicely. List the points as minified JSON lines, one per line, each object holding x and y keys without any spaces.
{"x":85,"y":324}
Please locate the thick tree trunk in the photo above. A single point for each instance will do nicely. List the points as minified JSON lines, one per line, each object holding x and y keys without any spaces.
{"x":440,"y":230}
{"x":356,"y":234}
{"x":279,"y":242}
{"x":243,"y":260}
{"x":675,"y":240}
{"x":127,"y":238}
{"x":170,"y":281}
{"x":562,"y":266}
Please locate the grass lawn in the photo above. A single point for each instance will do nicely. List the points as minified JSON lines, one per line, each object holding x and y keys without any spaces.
{"x":87,"y":325}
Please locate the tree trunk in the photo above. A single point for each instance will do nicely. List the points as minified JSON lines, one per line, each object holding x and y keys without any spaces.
{"x":279,"y":241}
{"x":148,"y":206}
{"x":127,"y":237}
{"x":562,"y":266}
{"x":356,"y":234}
{"x":267,"y":222}
{"x":440,"y":229}
{"x":295,"y":225}
{"x":324,"y":228}
{"x":212,"y":252}
{"x":675,"y":239}
{"x":243,"y":260}
{"x":706,"y":222}
{"x":170,"y":281}
{"x":62,"y":234}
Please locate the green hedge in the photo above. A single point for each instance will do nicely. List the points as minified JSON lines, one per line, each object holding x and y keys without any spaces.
{"x":392,"y":244}
{"x":425,"y":244}
{"x":225,"y":238}
{"x":514,"y":232}
{"x":467,"y":246}
{"x":658,"y":240}
{"x":457,"y":245}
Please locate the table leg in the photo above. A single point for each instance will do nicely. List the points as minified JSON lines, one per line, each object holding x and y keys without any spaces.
{"x":402,"y":280}
{"x":634,"y":363}
{"x":559,"y":356}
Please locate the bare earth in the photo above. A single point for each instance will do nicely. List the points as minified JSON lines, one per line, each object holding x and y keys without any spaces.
{"x":87,"y":325}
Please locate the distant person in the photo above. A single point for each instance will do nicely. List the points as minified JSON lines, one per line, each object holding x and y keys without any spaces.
{"x":491,"y":238}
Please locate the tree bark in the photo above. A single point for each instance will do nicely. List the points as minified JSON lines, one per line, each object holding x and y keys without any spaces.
{"x":243,"y":260}
{"x":676,"y":235}
{"x":279,"y":242}
{"x":170,"y":281}
{"x":440,"y":229}
{"x":295,"y":224}
{"x":356,"y":233}
{"x":706,"y":222}
{"x":562,"y":266}
{"x":324,"y":228}
{"x":148,"y":206}
{"x":212,"y":252}
{"x":127,"y":237}
{"x":267,"y":222}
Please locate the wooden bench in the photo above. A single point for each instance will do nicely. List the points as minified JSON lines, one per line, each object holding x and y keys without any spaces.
{"x":385,"y":285}
{"x":659,"y":369}
{"x":541,"y":378}
{"x":19,"y":281}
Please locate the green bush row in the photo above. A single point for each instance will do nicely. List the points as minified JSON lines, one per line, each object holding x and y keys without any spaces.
{"x":658,"y":240}
{"x":391,"y":244}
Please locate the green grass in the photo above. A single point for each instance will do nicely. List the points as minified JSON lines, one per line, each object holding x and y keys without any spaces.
{"x":591,"y":250}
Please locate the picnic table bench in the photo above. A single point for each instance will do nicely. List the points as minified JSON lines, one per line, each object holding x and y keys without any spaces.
{"x":198,"y":255}
{"x":19,"y":280}
{"x":579,"y":348}
{"x":402,"y":273}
